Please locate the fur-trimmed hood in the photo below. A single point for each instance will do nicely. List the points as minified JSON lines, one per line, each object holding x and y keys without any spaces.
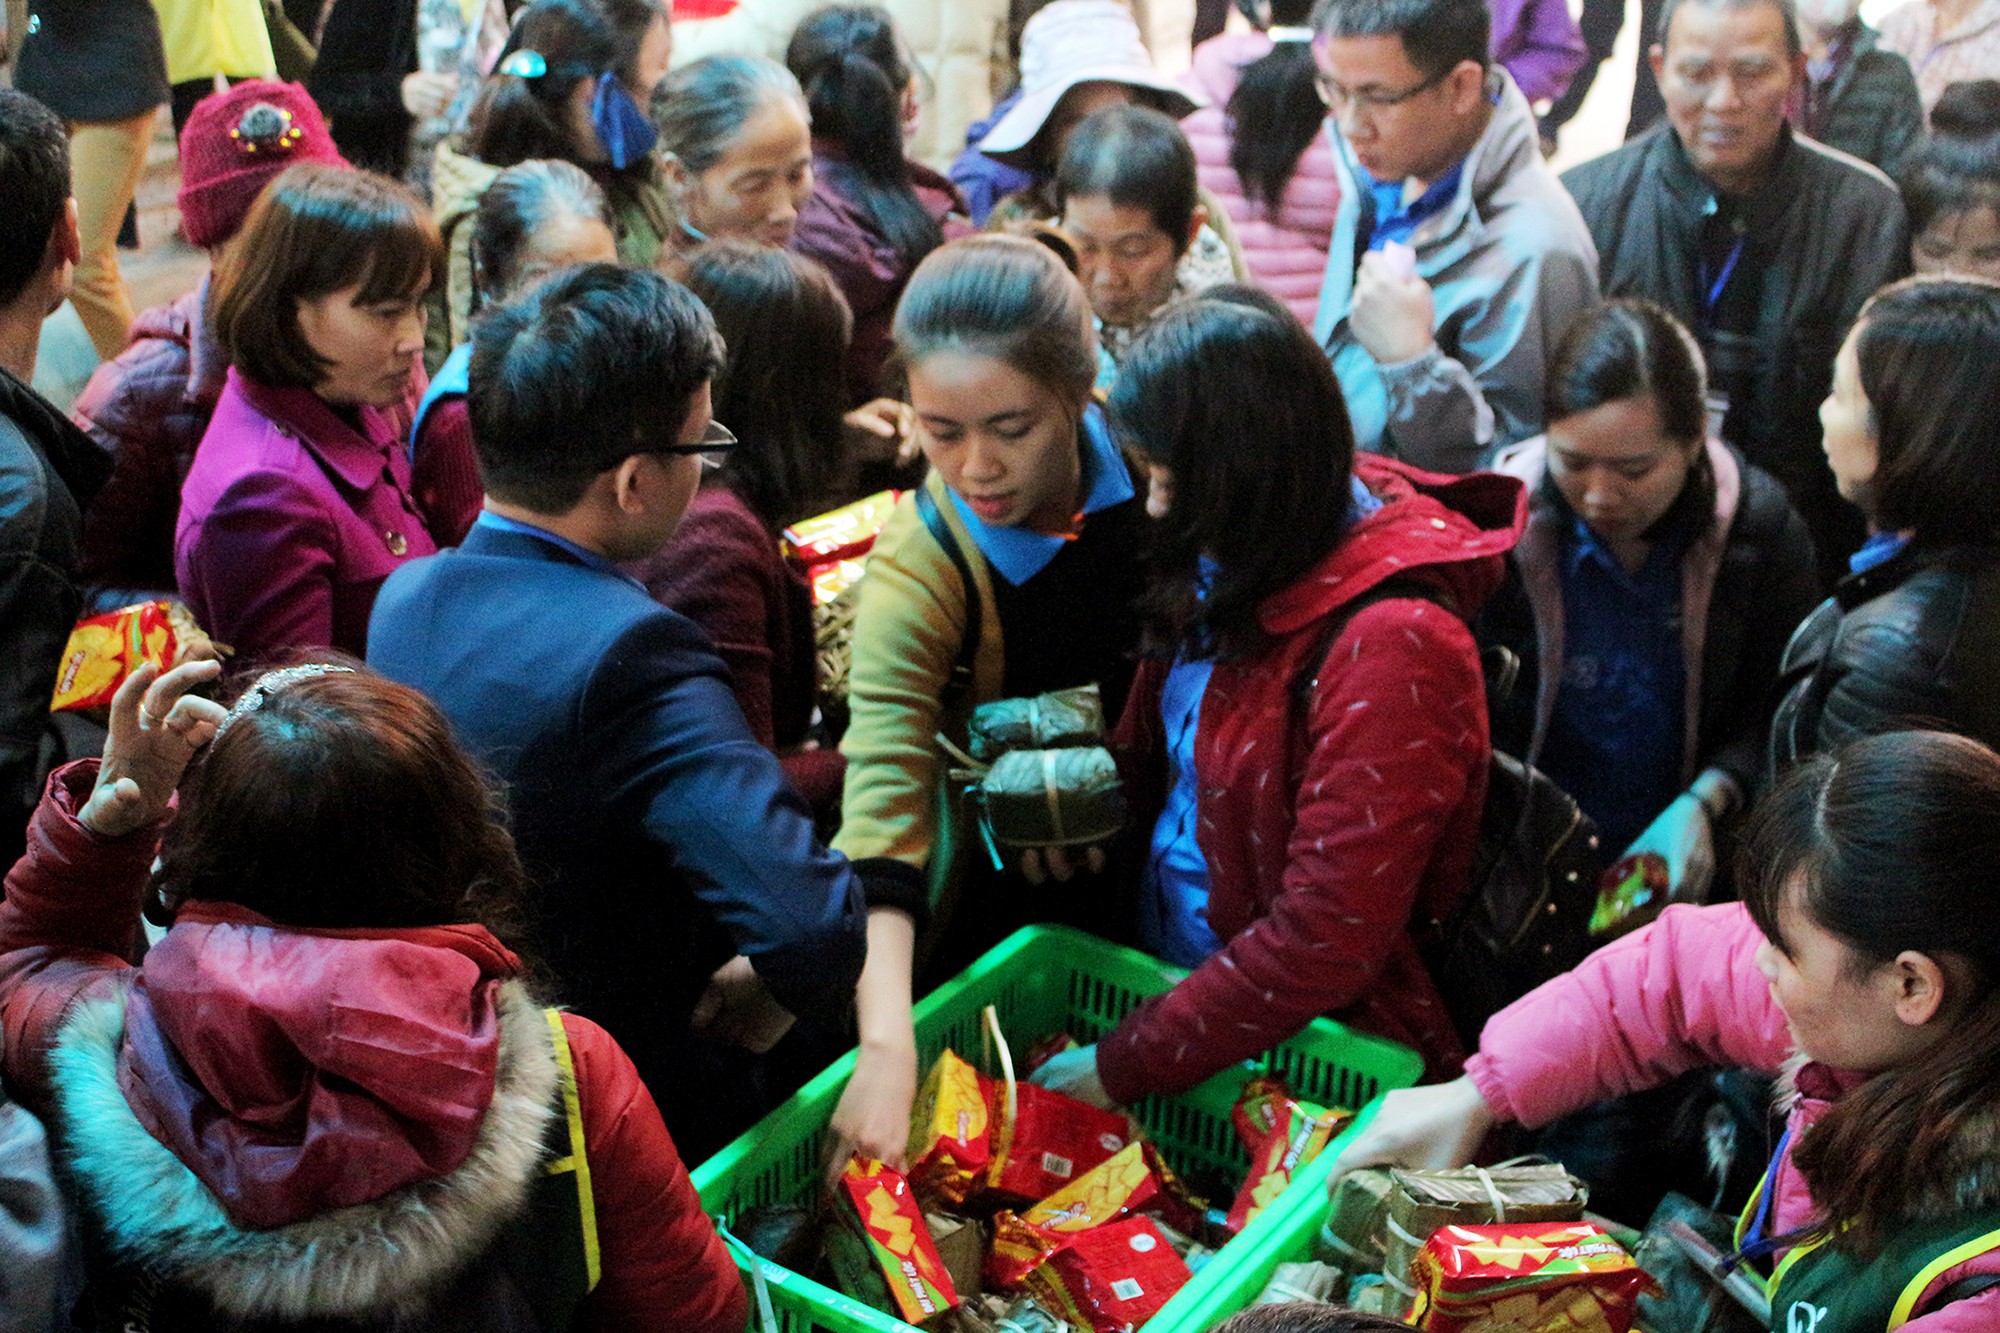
{"x":365,"y":1261}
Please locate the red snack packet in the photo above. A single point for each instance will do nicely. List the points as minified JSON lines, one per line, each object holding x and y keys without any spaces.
{"x":103,"y":650}
{"x":1124,"y":1183}
{"x":1111,"y":1278}
{"x":1282,"y":1135}
{"x":1050,"y":1141}
{"x":899,"y":1238}
{"x":1526,"y":1277}
{"x":840,"y":534}
{"x":951,"y":1135}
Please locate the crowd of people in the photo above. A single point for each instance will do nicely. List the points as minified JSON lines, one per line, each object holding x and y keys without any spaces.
{"x":1277,"y":403}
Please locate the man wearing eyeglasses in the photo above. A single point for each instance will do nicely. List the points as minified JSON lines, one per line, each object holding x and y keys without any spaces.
{"x":1457,"y":258}
{"x":680,"y":879}
{"x":1761,"y":241}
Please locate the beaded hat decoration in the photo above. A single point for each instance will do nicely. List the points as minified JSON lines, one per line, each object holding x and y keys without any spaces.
{"x":266,"y":128}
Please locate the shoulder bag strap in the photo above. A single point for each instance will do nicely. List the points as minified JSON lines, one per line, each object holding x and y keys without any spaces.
{"x":960,"y":682}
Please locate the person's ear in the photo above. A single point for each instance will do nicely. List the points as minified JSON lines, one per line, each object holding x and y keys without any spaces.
{"x":1467,"y":82}
{"x":70,"y":233}
{"x":1195,"y":224}
{"x":1920,"y":983}
{"x":1656,"y":58}
{"x":1798,"y":63}
{"x":628,"y":485}
{"x":675,"y":171}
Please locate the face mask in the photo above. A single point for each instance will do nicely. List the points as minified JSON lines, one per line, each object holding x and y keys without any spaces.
{"x":623,"y":130}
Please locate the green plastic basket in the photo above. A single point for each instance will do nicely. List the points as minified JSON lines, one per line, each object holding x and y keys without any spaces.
{"x":1044,"y":980}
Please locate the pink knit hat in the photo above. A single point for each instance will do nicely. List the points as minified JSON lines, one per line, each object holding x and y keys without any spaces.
{"x":238,"y":140}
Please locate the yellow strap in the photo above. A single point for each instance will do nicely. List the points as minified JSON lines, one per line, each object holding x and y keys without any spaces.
{"x":1907,"y":1302}
{"x":578,"y":1160}
{"x":1792,"y":1256}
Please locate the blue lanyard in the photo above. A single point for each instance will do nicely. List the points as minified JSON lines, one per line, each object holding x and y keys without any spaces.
{"x":1713,"y":297}
{"x":1755,"y":1245}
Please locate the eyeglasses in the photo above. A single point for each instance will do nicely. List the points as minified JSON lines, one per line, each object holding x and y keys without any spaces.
{"x":716,"y":441}
{"x":1339,"y":99}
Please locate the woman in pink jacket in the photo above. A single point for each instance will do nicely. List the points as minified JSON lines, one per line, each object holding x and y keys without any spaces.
{"x":1862,"y":966}
{"x":1260,"y":150}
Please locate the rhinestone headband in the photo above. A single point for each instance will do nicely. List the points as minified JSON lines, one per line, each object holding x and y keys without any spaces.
{"x":271,"y":682}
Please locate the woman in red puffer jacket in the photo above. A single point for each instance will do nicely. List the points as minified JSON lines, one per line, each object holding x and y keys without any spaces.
{"x":328,"y":1094}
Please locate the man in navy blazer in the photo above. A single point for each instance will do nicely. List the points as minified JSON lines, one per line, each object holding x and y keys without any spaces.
{"x":681,"y":878}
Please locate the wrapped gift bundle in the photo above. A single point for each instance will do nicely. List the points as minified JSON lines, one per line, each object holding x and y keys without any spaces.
{"x":1531,"y":1277}
{"x":1054,"y":721}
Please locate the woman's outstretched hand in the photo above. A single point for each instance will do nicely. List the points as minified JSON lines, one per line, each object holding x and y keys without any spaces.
{"x":1425,"y":1129}
{"x":156,"y":727}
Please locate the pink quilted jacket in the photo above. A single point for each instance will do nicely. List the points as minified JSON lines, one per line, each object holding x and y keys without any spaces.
{"x":1287,"y":253}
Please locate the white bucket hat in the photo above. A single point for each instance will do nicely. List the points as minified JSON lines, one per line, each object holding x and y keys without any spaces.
{"x":1080,"y":41}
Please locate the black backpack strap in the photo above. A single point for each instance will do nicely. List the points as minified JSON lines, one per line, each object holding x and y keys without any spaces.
{"x":1965,"y":1289}
{"x":960,"y":682}
{"x":1388,"y":590}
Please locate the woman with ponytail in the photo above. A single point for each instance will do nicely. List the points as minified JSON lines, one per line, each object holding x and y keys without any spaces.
{"x":1951,"y":184}
{"x":1262,"y":154}
{"x":874,"y":214}
{"x":1862,"y":968}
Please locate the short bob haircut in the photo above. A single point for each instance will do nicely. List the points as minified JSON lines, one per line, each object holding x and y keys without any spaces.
{"x":1631,"y":348}
{"x":315,"y":230}
{"x":1438,"y":35}
{"x":1307,"y":1317}
{"x":34,"y":180}
{"x":1927,"y":352}
{"x":342,"y":801}
{"x":1229,"y":392}
{"x":1006,"y":297}
{"x":581,"y":372}
{"x":784,"y":387}
{"x":1137,"y":158}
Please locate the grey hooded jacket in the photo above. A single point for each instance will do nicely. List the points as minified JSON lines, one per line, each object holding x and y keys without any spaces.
{"x":1510,"y":263}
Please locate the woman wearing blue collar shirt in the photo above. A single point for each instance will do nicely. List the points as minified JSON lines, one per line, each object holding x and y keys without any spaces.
{"x":1046,"y":515}
{"x":1912,"y":635}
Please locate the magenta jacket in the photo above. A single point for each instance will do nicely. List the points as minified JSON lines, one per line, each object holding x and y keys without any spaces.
{"x":1286,"y":253}
{"x":291,"y":518}
{"x":1538,"y":42}
{"x":1684,"y":994}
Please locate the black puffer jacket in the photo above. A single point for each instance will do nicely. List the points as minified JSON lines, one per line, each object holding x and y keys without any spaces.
{"x":1916,"y":640}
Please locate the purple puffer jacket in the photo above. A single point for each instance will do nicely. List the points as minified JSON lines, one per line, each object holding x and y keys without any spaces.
{"x":1286,"y":253}
{"x":148,"y":407}
{"x":1538,"y":42}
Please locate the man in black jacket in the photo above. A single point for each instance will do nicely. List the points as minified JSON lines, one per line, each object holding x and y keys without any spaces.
{"x":1764,"y":243}
{"x":48,"y":468}
{"x":679,"y":874}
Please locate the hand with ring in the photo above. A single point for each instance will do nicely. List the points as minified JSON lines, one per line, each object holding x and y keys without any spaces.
{"x":156,"y":727}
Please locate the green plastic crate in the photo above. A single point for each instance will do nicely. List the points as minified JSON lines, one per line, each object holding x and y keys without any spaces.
{"x":1043,"y":980}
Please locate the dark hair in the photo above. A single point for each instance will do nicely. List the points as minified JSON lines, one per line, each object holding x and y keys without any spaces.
{"x":514,"y":119}
{"x":848,"y":60}
{"x":781,"y":389}
{"x":700,"y":108}
{"x":1229,"y":392}
{"x":1927,"y":351}
{"x":1786,"y":9}
{"x":1438,"y":35}
{"x":579,"y":373}
{"x":343,"y":801}
{"x":34,"y":180}
{"x":1956,"y":167}
{"x":316,"y":229}
{"x":1275,"y":113}
{"x":1006,"y":297}
{"x":1138,"y":158}
{"x":1307,"y":1317}
{"x":1631,"y":348}
{"x":1889,"y":844}
{"x":520,"y":202}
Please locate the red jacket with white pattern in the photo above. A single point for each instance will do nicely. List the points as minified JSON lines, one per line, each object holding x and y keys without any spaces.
{"x":1334,"y":828}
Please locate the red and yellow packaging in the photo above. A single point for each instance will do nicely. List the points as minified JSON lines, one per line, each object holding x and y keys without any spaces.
{"x":1123,"y":1184}
{"x":897,"y":1235}
{"x":1526,"y":1277}
{"x":1111,"y":1278}
{"x":104,"y":650}
{"x":840,"y":534}
{"x":1049,"y":1142}
{"x":1282,"y":1136}
{"x":951,"y":1137}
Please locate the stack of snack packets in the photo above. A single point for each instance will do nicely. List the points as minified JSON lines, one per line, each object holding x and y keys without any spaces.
{"x":951,"y":1131}
{"x":1529,"y":1277}
{"x":889,"y":1219}
{"x":1110,"y":1279}
{"x":1282,"y":1136}
{"x":1422,"y":1201}
{"x":1133,"y":1180}
{"x":1048,"y":1141}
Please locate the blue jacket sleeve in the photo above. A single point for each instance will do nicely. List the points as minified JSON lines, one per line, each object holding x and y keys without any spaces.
{"x":677,"y":760}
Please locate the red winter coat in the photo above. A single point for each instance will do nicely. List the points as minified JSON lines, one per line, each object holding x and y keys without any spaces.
{"x":1332,"y":833}
{"x":382,"y":1094}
